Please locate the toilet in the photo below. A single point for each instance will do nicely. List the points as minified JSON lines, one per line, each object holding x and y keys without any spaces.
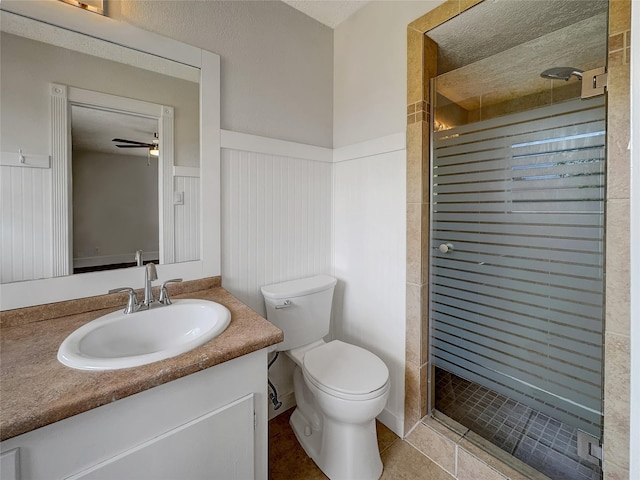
{"x":339,"y":388}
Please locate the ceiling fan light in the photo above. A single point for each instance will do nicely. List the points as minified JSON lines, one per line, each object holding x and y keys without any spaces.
{"x":154,"y":151}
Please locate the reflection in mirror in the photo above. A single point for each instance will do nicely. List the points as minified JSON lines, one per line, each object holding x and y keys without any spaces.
{"x":35,"y":55}
{"x":120,"y":42}
{"x":115,"y":189}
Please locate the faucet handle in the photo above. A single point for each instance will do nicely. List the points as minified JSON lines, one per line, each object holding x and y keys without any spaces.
{"x":164,"y":295}
{"x":132,"y":303}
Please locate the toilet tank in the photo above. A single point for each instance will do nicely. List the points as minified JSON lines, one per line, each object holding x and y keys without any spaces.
{"x":300,"y":308}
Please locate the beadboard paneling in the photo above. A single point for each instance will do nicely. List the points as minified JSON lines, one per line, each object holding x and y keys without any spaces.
{"x":187,"y":219}
{"x":276,"y":221}
{"x":26,"y":250}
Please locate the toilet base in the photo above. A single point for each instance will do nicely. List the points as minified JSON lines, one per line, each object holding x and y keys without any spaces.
{"x":309,"y":439}
{"x":341,"y":451}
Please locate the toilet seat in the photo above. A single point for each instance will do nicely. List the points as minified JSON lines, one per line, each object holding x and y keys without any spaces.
{"x":346,"y":371}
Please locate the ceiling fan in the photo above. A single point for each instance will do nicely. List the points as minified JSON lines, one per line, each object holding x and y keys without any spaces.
{"x":153,"y":146}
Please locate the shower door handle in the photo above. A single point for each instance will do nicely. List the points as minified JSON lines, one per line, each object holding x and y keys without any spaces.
{"x":446,"y":247}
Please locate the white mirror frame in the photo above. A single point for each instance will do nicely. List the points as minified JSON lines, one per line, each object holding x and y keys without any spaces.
{"x":37,"y":292}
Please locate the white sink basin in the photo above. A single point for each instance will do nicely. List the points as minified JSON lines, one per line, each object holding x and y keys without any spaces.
{"x":118,"y":341}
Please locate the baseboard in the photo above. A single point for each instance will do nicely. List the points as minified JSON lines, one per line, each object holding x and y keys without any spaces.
{"x":288,"y":400}
{"x":392,"y":422}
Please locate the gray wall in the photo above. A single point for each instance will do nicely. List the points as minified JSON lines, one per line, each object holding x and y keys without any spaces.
{"x":370,"y":70}
{"x":29,"y":66}
{"x":277,"y":63}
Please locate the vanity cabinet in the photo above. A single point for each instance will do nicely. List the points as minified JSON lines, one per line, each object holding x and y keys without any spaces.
{"x":208,"y":425}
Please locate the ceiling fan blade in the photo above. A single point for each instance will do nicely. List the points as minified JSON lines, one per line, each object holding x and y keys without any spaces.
{"x":133,"y":146}
{"x":122,"y":140}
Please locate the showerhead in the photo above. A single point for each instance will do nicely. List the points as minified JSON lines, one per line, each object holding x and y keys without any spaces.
{"x":561,"y":73}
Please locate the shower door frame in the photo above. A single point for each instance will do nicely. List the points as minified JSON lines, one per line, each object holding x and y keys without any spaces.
{"x":421,"y":67}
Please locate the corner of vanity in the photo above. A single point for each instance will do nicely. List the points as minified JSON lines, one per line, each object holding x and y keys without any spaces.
{"x":201,"y":414}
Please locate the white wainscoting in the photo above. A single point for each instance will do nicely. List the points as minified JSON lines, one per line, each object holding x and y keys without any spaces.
{"x":276,"y":214}
{"x":26,"y":251}
{"x":276,"y":224}
{"x":369,"y":238}
{"x":291,"y":210}
{"x":186,"y":221}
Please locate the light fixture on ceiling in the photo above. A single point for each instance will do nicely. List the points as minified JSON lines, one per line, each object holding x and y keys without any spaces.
{"x":154,"y":149}
{"x":95,"y":6}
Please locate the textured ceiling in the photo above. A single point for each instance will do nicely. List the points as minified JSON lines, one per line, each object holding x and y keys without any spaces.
{"x":495,"y":26}
{"x":495,"y":51}
{"x":516,"y":72}
{"x":331,"y":13}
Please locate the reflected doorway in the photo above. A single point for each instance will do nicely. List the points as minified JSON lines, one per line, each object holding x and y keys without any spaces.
{"x":114,"y":191}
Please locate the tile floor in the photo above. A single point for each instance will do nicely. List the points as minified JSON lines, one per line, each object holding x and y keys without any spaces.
{"x":538,"y":440}
{"x":288,"y":461}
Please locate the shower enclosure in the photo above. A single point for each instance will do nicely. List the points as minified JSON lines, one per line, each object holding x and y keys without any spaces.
{"x":517,"y":269}
{"x":517,"y":252}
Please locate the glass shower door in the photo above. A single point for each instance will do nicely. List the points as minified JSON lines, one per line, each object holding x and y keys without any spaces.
{"x":518,"y":299}
{"x":517,"y":263}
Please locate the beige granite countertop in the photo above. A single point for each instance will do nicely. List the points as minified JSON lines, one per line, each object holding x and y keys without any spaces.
{"x":36,"y":389}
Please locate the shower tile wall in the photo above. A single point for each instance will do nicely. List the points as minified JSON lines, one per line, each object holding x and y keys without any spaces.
{"x":538,"y":440}
{"x":617,"y":406}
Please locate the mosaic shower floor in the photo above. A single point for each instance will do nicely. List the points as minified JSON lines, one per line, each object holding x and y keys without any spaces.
{"x":538,"y":440}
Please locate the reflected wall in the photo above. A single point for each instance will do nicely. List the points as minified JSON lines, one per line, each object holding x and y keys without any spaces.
{"x":29,"y":215}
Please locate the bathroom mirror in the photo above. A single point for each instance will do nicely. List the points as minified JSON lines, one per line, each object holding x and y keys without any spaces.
{"x":33,"y":57}
{"x":121,"y":43}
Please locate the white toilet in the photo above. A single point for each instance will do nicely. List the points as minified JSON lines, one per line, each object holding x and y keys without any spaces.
{"x":339,"y":388}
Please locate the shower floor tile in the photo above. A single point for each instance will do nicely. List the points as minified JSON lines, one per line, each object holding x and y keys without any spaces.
{"x":538,"y":440}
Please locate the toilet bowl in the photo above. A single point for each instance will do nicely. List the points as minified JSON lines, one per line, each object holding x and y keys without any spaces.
{"x":339,"y":388}
{"x":350,"y":387}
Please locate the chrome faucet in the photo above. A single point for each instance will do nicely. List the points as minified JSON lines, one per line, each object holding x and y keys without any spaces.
{"x":150,"y":274}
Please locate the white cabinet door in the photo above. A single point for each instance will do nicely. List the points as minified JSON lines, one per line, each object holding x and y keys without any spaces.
{"x":217,"y":445}
{"x":10,"y":464}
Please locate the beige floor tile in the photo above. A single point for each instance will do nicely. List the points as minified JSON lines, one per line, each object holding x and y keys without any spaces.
{"x":403,"y":462}
{"x":386,"y":437}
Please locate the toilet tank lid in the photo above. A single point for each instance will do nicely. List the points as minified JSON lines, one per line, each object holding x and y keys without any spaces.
{"x":298,"y":288}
